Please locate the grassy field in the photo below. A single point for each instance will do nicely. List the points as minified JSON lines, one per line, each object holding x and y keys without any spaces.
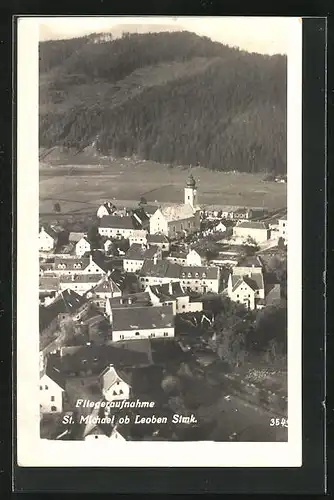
{"x":82,"y":188}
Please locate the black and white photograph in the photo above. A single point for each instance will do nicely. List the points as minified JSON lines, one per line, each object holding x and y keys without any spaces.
{"x":159,"y":173}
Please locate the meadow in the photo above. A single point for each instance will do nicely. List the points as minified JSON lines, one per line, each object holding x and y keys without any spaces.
{"x":81,"y":188}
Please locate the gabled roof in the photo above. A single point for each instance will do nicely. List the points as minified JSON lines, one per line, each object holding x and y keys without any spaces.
{"x":67,"y":302}
{"x":251,"y":261}
{"x":80,"y":278}
{"x":141,"y":252}
{"x":251,"y":225}
{"x":199,"y":272}
{"x":157,"y":238}
{"x":106,"y":284}
{"x":119,"y":222}
{"x":50,"y":231}
{"x":142,"y":318}
{"x":53,"y":372}
{"x":254,"y":280}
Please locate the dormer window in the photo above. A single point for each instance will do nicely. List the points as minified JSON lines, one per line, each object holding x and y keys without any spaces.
{"x":204,"y":275}
{"x":189,"y":275}
{"x":196,"y":275}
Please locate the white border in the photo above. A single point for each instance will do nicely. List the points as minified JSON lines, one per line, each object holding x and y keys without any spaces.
{"x":31,"y":450}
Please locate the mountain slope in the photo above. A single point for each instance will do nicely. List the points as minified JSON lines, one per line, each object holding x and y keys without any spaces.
{"x":169,"y":97}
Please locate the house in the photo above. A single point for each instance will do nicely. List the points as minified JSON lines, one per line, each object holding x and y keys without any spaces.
{"x":159,"y":240}
{"x":74,"y":237}
{"x":257,"y":231}
{"x":82,"y":247}
{"x":115,"y":384}
{"x":79,"y":283}
{"x":256,"y":212}
{"x":137,"y":254}
{"x":140,"y":237}
{"x":178,"y":257}
{"x":47,"y":239}
{"x":65,"y":305}
{"x":138,"y":299}
{"x":120,"y":226}
{"x":220,"y":227}
{"x":142,"y":322}
{"x":175,"y":295}
{"x":283,"y":229}
{"x":241,"y":213}
{"x":196,"y":258}
{"x":51,"y":389}
{"x":105,"y":289}
{"x":106,"y":208}
{"x":246,"y":283}
{"x":172,"y":220}
{"x":77,"y":265}
{"x":49,"y":284}
{"x":200,"y":279}
{"x":141,"y":217}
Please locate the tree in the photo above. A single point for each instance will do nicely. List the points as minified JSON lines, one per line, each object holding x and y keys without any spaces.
{"x":142,"y":201}
{"x":57,"y":208}
{"x":281,"y":243}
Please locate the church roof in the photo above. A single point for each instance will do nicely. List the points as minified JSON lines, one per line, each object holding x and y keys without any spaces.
{"x":191,"y":181}
{"x":177,"y":212}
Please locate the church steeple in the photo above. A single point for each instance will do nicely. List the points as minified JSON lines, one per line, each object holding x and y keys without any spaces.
{"x":190,"y":192}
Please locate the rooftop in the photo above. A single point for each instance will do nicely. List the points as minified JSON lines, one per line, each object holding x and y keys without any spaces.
{"x":142,"y":318}
{"x":157,"y":238}
{"x":177,"y":212}
{"x":67,"y":302}
{"x":71,"y":262}
{"x":75,"y":237}
{"x":131,"y":300}
{"x":251,"y":225}
{"x":120,"y":222}
{"x":141,"y":252}
{"x":163,"y":268}
{"x":254,"y":280}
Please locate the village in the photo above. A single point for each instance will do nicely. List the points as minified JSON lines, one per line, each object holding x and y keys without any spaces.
{"x":128,"y":312}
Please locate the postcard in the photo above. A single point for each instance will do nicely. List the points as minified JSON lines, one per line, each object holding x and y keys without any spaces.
{"x":159,"y":241}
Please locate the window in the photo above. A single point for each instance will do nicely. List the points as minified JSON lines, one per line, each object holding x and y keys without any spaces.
{"x":165,"y":334}
{"x":114,"y":393}
{"x":46,"y":387}
{"x":121,"y":392}
{"x":53,"y":408}
{"x":121,"y":337}
{"x":52,"y":398}
{"x":183,"y":307}
{"x":137,"y":333}
{"x":40,"y":387}
{"x":152,"y":334}
{"x":238,"y":296}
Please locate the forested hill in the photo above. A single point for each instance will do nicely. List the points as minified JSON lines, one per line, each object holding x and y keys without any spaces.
{"x":174,"y":98}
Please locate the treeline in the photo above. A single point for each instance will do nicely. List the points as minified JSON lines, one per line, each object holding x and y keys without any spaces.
{"x":229,"y":115}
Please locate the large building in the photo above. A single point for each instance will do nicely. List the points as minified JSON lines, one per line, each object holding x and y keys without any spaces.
{"x":283,"y":229}
{"x":173,"y":220}
{"x":199,"y":279}
{"x":118,"y":226}
{"x":137,"y":254}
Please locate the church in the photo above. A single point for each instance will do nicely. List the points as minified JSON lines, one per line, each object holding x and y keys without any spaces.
{"x":178,"y":219}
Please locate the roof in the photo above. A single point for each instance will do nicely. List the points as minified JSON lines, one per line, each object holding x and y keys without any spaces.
{"x":67,"y":302}
{"x":251,"y":225}
{"x":177,"y":212}
{"x":75,"y":237}
{"x":80,"y":278}
{"x":51,"y":232}
{"x":157,"y":238}
{"x":132,"y":300}
{"x":142,"y":318}
{"x":255,"y":281}
{"x":106,"y":284}
{"x":168,"y":291}
{"x":191,"y":181}
{"x":52,"y":371}
{"x":141,"y":252}
{"x":200,"y":272}
{"x":273,"y":293}
{"x":72,"y":262}
{"x":163,"y":268}
{"x":119,"y":222}
{"x":251,"y":261}
{"x":166,"y":350}
{"x":95,"y":358}
{"x":48,"y":283}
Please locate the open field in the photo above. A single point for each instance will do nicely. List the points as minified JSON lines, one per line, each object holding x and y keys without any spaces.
{"x":82,"y":188}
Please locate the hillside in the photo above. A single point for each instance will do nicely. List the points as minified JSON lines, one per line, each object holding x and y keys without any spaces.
{"x":174,"y":98}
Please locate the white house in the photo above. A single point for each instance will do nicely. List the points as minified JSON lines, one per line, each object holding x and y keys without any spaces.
{"x":172,"y":220}
{"x":283,"y":229}
{"x":142,"y":322}
{"x":76,"y":265}
{"x":246,"y":283}
{"x":105,"y":209}
{"x":137,"y":254}
{"x":47,"y":239}
{"x":159,"y":240}
{"x":51,"y":390}
{"x":82,"y":247}
{"x":258,"y":231}
{"x":120,"y":226}
{"x":175,"y":295}
{"x":139,"y":237}
{"x":79,"y":283}
{"x":194,"y":258}
{"x":220,"y":227}
{"x":115,"y":384}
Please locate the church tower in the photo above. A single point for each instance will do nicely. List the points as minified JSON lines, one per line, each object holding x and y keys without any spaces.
{"x":190,"y":192}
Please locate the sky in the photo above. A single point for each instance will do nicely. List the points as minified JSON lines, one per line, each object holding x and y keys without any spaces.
{"x":266,"y":35}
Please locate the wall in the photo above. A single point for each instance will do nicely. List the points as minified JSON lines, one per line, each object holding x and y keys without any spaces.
{"x":132,"y":266}
{"x":259,"y":235}
{"x":45,"y":242}
{"x":158,"y":224}
{"x":143,"y":334}
{"x":118,"y":391}
{"x":53,"y":391}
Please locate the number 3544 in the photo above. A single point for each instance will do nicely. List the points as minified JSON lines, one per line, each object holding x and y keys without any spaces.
{"x":279,"y":422}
